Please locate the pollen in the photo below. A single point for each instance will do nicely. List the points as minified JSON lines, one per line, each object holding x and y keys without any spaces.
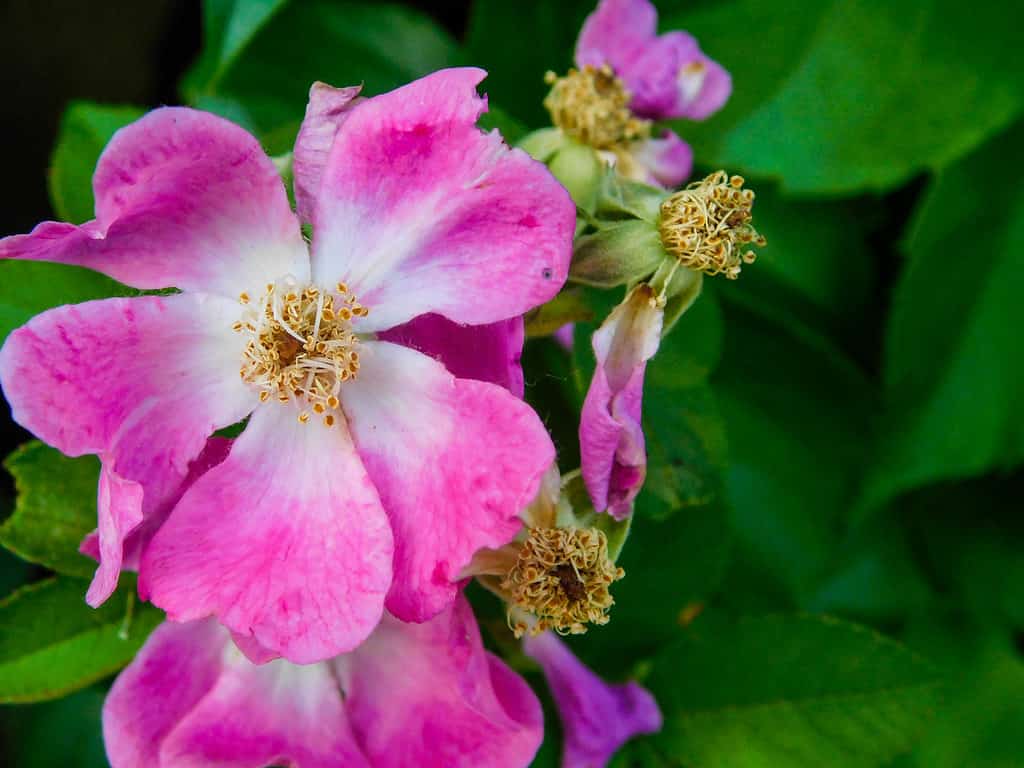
{"x":561,"y":577}
{"x":301,"y":345}
{"x":592,"y":106}
{"x":707,"y":226}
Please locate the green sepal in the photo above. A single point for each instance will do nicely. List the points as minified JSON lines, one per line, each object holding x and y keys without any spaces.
{"x":617,"y":254}
{"x":620,"y":198}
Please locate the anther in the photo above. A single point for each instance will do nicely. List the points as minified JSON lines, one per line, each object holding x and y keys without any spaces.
{"x":592,"y":106}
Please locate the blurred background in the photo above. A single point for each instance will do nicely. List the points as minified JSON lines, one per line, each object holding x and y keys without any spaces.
{"x":840,"y":432}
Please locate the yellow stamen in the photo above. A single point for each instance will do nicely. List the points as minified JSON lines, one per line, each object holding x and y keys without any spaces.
{"x":706,"y":225}
{"x":592,"y":106}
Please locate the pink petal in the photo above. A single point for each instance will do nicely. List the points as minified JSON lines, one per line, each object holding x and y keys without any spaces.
{"x":612,"y":452}
{"x":617,"y":33}
{"x":285,"y":541}
{"x":454,"y":461}
{"x":327,"y":109}
{"x":668,"y":159}
{"x":185,"y":199}
{"x":429,"y":695}
{"x":140,"y":381}
{"x":189,"y":699}
{"x":422,"y":212}
{"x":597,"y":718}
{"x":482,"y":352}
{"x":123,"y":533}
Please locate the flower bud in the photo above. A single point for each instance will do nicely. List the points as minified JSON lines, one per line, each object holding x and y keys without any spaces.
{"x":617,"y":254}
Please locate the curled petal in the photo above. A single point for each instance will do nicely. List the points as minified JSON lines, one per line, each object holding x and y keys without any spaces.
{"x":285,"y":541}
{"x":459,"y":225}
{"x":191,"y":699}
{"x":446,"y":703}
{"x":612,"y":451}
{"x":483,"y":352}
{"x":183,"y":198}
{"x":616,"y":33}
{"x":454,"y":461}
{"x":327,"y":109}
{"x":597,"y":718}
{"x":667,"y":160}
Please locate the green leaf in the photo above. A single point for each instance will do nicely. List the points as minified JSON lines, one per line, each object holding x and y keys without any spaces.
{"x":789,"y":692}
{"x":85,"y":130}
{"x":29,"y":287}
{"x":55,"y":508}
{"x":52,"y":643}
{"x":835,"y":97}
{"x":65,"y":733}
{"x":953,"y":367}
{"x":799,"y":423}
{"x":273,"y":64}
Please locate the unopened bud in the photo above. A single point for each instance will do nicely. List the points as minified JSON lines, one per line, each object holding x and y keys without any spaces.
{"x":617,"y":254}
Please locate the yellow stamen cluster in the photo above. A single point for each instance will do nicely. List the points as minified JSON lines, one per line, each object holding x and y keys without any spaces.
{"x":301,"y":345}
{"x":561,"y":577}
{"x":592,"y":106}
{"x":706,"y":225}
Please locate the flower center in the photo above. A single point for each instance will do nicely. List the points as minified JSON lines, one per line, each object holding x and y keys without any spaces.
{"x":706,"y":225}
{"x":592,"y":106}
{"x":562,"y":576}
{"x":301,"y":345}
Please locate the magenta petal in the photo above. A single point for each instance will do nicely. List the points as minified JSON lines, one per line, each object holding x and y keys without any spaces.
{"x":429,"y":695}
{"x":327,"y":109}
{"x":612,"y":451}
{"x":420,"y":211}
{"x":667,"y":159}
{"x":616,"y":33}
{"x":285,"y":541}
{"x":483,"y":352}
{"x":185,"y":199}
{"x":454,"y":461}
{"x":190,"y":699}
{"x":597,"y":718}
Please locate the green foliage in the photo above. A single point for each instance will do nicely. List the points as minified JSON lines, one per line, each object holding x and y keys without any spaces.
{"x":55,"y":508}
{"x":52,"y":643}
{"x":786,"y":691}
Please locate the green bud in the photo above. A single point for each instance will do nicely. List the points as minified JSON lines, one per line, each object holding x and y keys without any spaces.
{"x":543,"y":144}
{"x":617,"y":254}
{"x":580,"y":170}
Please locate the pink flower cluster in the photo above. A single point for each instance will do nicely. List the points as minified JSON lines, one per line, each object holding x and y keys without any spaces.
{"x":310,"y":566}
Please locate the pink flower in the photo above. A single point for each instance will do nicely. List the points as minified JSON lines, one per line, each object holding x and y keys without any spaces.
{"x":613,"y":456}
{"x":597,"y":718}
{"x":367,"y":474}
{"x":411,"y":695}
{"x":665,"y":76}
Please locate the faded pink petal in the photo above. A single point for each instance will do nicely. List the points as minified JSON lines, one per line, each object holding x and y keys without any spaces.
{"x":285,"y":541}
{"x":142,"y":382}
{"x":668,"y":76}
{"x":184,"y":199}
{"x":327,"y":109}
{"x":483,"y":352}
{"x":429,"y":695}
{"x":189,"y":699}
{"x":122,"y":534}
{"x":597,"y":718}
{"x":421,"y":212}
{"x":454,"y":461}
{"x":612,"y":451}
{"x":667,"y":159}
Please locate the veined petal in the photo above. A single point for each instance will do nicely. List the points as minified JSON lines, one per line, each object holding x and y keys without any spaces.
{"x":612,"y":451}
{"x":327,"y":109}
{"x":616,"y":33}
{"x":483,"y":352}
{"x":597,"y":718}
{"x":183,"y":198}
{"x":191,"y":699}
{"x":428,"y":694}
{"x":420,"y":211}
{"x":285,"y":541}
{"x":142,"y":382}
{"x":454,"y":461}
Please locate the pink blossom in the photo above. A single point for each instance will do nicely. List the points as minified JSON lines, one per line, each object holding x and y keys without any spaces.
{"x":667,"y":76}
{"x":613,"y":455}
{"x":411,"y":695}
{"x":367,"y":474}
{"x":597,"y":718}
